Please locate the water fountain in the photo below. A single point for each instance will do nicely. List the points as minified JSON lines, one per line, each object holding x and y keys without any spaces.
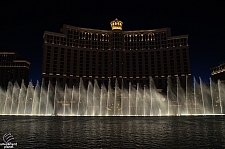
{"x":97,"y":100}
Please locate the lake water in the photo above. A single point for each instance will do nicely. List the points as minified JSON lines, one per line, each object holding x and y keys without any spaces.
{"x":115,"y":132}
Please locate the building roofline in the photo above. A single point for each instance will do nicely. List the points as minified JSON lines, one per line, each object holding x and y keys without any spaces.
{"x":7,"y":53}
{"x":125,"y":31}
{"x":89,"y":29}
{"x":219,"y":65}
{"x":25,"y":61}
{"x":53,"y":33}
{"x":178,"y":37}
{"x":151,"y":30}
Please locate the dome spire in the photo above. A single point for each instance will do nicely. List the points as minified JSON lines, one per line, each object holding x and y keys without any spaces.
{"x":116,"y":24}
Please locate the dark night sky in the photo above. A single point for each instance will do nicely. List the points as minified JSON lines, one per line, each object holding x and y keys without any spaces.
{"x":24,"y":22}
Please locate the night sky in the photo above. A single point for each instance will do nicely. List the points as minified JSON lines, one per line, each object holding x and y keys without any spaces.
{"x":23,"y":25}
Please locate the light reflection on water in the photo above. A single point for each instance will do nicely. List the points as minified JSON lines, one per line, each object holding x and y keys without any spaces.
{"x":115,"y":132}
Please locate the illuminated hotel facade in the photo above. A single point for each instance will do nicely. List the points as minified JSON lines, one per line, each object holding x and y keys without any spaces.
{"x":131,"y":56}
{"x":218,"y":72}
{"x":12,"y":68}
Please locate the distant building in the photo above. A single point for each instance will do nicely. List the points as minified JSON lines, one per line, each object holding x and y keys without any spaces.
{"x":131,"y":56}
{"x":13,"y":69}
{"x":218,"y":72}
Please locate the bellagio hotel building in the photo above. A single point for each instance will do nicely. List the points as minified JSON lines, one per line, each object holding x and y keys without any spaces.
{"x":128,"y":56}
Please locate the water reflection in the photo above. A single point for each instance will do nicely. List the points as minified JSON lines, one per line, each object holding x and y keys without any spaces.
{"x":115,"y":132}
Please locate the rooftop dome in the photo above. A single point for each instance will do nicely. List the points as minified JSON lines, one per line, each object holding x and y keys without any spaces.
{"x":116,"y":24}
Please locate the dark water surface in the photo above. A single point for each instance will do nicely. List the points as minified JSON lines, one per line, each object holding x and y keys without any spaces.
{"x":115,"y":132}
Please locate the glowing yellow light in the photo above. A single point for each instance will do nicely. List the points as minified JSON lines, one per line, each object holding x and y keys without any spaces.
{"x":116,"y":24}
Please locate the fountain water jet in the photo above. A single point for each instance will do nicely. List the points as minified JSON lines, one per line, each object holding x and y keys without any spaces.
{"x":97,"y":100}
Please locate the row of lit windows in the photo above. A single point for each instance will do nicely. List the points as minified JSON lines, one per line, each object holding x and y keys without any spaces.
{"x":130,"y":58}
{"x":135,"y":39}
{"x":131,"y":78}
{"x":7,"y":58}
{"x":145,"y":38}
{"x":63,"y":50}
{"x":128,"y":61}
{"x":119,"y":45}
{"x":92,"y":35}
{"x":82,"y":39}
{"x":129,"y":68}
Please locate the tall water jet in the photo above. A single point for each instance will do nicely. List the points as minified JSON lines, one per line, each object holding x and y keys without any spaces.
{"x":82,"y":96}
{"x":129,"y":113}
{"x":15,"y":95}
{"x":22,"y":95}
{"x":67,"y":101}
{"x":2,"y":99}
{"x":178,"y":102}
{"x":64,"y":101}
{"x":43,"y":99}
{"x":139,"y":100}
{"x":72,"y":101}
{"x":8,"y":98}
{"x":90,"y":103}
{"x":50,"y":99}
{"x":144,"y":99}
{"x":172,"y":108}
{"x":122,"y":98}
{"x":195,"y":96}
{"x":181,"y":98}
{"x":203,"y":102}
{"x":135,"y":99}
{"x":96,"y":99}
{"x":28,"y":99}
{"x":101,"y":96}
{"x":132,"y":99}
{"x":115,"y":98}
{"x":54,"y":100}
{"x":36,"y":97}
{"x":151,"y":84}
{"x":146,"y":102}
{"x":222,"y":95}
{"x":212,"y":98}
{"x":104,"y":100}
{"x":167,"y":97}
{"x":220,"y":98}
{"x":110,"y":99}
{"x":48,"y":94}
{"x":186,"y":95}
{"x":58,"y":100}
